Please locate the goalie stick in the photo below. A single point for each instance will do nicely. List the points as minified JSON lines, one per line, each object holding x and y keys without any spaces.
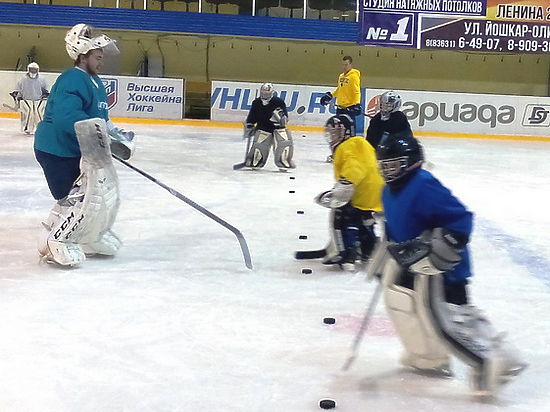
{"x":363,"y":328}
{"x":243,"y":164}
{"x":15,"y":101}
{"x":196,"y":206}
{"x":7,"y":106}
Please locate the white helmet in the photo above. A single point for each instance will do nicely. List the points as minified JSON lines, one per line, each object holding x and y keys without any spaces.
{"x":266,"y":92}
{"x":390,"y":102}
{"x":79,"y":40}
{"x":30,"y":66}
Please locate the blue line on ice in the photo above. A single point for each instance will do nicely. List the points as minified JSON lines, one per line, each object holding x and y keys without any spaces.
{"x":518,"y":249}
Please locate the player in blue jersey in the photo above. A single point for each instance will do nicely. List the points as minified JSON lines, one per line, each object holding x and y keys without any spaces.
{"x":73,"y":146}
{"x":426,"y":266}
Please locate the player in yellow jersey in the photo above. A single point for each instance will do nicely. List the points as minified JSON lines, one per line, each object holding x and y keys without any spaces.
{"x":356,"y":195}
{"x":348,"y":91}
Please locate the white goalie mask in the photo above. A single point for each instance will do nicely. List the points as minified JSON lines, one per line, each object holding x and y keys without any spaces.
{"x":80,"y":40}
{"x":266,"y":92}
{"x":390,"y":102}
{"x":32,"y":70}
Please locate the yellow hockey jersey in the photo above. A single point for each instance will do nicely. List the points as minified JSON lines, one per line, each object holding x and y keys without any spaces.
{"x":355,"y":161}
{"x":348,"y":91}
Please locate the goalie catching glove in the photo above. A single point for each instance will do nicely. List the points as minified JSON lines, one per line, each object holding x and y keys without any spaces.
{"x":433,"y":253}
{"x":338,"y":196}
{"x":123,"y":142}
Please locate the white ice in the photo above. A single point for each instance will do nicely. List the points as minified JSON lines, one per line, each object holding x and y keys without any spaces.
{"x":177,"y":323}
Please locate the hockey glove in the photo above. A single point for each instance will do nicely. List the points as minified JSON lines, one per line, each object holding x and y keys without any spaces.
{"x":355,"y":110}
{"x":249,"y":130}
{"x":16,"y":94}
{"x":278,"y":118}
{"x":326,"y":98}
{"x":432,"y":253}
{"x":338,"y":196}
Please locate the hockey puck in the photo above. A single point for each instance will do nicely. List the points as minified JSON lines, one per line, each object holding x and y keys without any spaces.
{"x":300,"y":212}
{"x":301,"y":109}
{"x":291,"y":191}
{"x":307,"y":271}
{"x":302,"y":237}
{"x":292,"y":178}
{"x":329,"y":321}
{"x":327,"y":404}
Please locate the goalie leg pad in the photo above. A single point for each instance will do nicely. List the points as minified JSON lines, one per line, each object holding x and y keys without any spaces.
{"x":31,"y":113}
{"x":283,"y":149}
{"x":345,"y":237}
{"x":53,"y":250}
{"x":26,"y":113}
{"x":88,"y":213}
{"x":471,"y":337}
{"x":259,"y":151}
{"x":424,"y":349}
{"x":367,"y":237}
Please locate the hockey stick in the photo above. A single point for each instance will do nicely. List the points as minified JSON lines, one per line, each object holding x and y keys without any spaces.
{"x":7,"y":106}
{"x":234,"y":230}
{"x":364,"y":324}
{"x":310,"y":254}
{"x":243,"y":164}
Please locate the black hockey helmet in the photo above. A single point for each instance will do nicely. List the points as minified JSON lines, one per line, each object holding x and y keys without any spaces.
{"x":399,"y":154}
{"x":339,"y":128}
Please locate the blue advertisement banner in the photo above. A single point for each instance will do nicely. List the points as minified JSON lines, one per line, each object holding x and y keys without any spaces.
{"x":389,"y":29}
{"x":395,"y":23}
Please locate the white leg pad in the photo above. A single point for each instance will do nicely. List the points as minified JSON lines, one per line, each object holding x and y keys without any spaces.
{"x":31,"y":113}
{"x":108,"y":245}
{"x":259,"y":151}
{"x":424,"y":349}
{"x":86,"y":216}
{"x":283,"y":149}
{"x":472,"y":338}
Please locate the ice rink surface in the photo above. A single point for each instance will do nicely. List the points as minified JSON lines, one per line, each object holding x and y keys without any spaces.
{"x":177,"y":323}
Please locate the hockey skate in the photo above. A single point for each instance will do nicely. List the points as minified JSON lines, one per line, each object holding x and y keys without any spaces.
{"x":345,"y":260}
{"x":439,"y":368}
{"x":499,"y":369}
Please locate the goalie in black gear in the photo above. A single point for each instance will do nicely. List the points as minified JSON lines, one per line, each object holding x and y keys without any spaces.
{"x":356,"y":195}
{"x":426,"y":271}
{"x":266,"y":126}
{"x":388,"y":120}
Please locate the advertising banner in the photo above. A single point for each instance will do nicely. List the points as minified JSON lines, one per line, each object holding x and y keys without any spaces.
{"x":498,"y":26}
{"x":427,"y":111}
{"x":145,"y":97}
{"x":471,"y":113}
{"x":231,"y":101}
{"x":395,"y":22}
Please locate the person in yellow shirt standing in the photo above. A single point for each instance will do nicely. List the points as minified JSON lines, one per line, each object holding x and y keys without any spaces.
{"x":348,"y":91}
{"x":356,"y":195}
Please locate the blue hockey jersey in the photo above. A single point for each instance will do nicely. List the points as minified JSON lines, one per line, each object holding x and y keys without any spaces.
{"x":423,"y":203}
{"x":76,"y":95}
